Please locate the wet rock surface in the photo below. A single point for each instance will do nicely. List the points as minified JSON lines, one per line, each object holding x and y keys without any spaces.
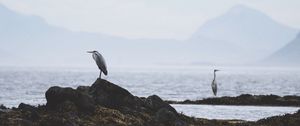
{"x":106,"y":104}
{"x":247,"y":99}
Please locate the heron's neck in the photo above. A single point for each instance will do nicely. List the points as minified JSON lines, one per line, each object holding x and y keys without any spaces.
{"x":214,"y":75}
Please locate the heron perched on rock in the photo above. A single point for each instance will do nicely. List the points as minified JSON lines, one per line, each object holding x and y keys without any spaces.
{"x":99,"y":61}
{"x":214,"y":83}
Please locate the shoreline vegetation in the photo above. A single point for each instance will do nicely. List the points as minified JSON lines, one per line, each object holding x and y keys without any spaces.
{"x":105,"y":103}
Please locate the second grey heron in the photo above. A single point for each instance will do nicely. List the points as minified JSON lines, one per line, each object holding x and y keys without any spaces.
{"x":99,"y":61}
{"x":214,"y":83}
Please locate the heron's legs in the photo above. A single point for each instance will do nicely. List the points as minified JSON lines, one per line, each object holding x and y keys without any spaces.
{"x":100,"y":74}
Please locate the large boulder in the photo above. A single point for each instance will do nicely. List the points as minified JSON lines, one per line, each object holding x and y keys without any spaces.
{"x":56,"y":96}
{"x":105,"y":94}
{"x":110,"y":95}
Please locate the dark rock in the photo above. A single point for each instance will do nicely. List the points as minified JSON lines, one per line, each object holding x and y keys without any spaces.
{"x":3,"y":109}
{"x":2,"y":106}
{"x":57,"y":95}
{"x":83,"y":89}
{"x":26,"y":107}
{"x":67,"y":106}
{"x":56,"y":120}
{"x":112,"y":96}
{"x":31,"y":111}
{"x":156,"y":103}
{"x":246,"y":99}
{"x":165,"y":116}
{"x":22,"y":122}
{"x":15,"y":121}
{"x":168,"y":118}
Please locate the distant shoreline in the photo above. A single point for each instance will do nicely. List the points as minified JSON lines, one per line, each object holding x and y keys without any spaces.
{"x":246,"y":100}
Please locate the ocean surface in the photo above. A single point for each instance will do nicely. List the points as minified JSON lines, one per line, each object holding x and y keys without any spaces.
{"x":249,"y":113}
{"x":28,"y":85}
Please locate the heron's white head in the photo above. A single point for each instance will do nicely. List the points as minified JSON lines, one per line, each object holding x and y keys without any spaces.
{"x":91,"y":51}
{"x":216,"y":70}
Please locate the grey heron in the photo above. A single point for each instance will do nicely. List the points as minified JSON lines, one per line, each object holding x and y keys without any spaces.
{"x":214,"y":83}
{"x":99,"y":61}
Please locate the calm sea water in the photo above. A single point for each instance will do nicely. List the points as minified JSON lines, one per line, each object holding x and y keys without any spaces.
{"x":249,"y":113}
{"x":28,"y":85}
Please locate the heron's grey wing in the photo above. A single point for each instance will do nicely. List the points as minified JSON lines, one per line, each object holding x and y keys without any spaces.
{"x":100,"y":62}
{"x":214,"y":90}
{"x":214,"y":87}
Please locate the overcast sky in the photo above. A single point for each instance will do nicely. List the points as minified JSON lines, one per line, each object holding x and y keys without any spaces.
{"x":175,"y":19}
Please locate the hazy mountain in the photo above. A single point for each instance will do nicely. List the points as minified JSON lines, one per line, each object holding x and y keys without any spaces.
{"x":32,"y":41}
{"x":253,"y":32}
{"x":240,"y":35}
{"x":288,"y":55}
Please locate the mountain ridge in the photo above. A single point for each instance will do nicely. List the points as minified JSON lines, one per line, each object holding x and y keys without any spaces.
{"x":246,"y":28}
{"x":37,"y":40}
{"x":287,"y":55}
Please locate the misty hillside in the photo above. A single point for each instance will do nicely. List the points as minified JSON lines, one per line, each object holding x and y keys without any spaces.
{"x":31,"y":41}
{"x":235,"y":37}
{"x":250,"y":30}
{"x":289,"y":54}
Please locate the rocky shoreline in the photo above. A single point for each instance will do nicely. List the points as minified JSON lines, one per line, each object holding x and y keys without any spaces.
{"x":106,"y":104}
{"x":247,"y":99}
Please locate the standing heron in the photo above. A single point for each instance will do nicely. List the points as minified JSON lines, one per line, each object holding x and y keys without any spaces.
{"x":99,"y":61}
{"x":214,"y":84}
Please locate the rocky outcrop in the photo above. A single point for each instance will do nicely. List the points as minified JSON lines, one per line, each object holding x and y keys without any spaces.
{"x":102,"y":103}
{"x":247,"y":99}
{"x":112,"y":96}
{"x":106,"y":104}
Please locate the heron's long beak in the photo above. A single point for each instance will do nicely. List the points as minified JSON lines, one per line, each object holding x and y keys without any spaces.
{"x":218,"y":70}
{"x":89,"y":51}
